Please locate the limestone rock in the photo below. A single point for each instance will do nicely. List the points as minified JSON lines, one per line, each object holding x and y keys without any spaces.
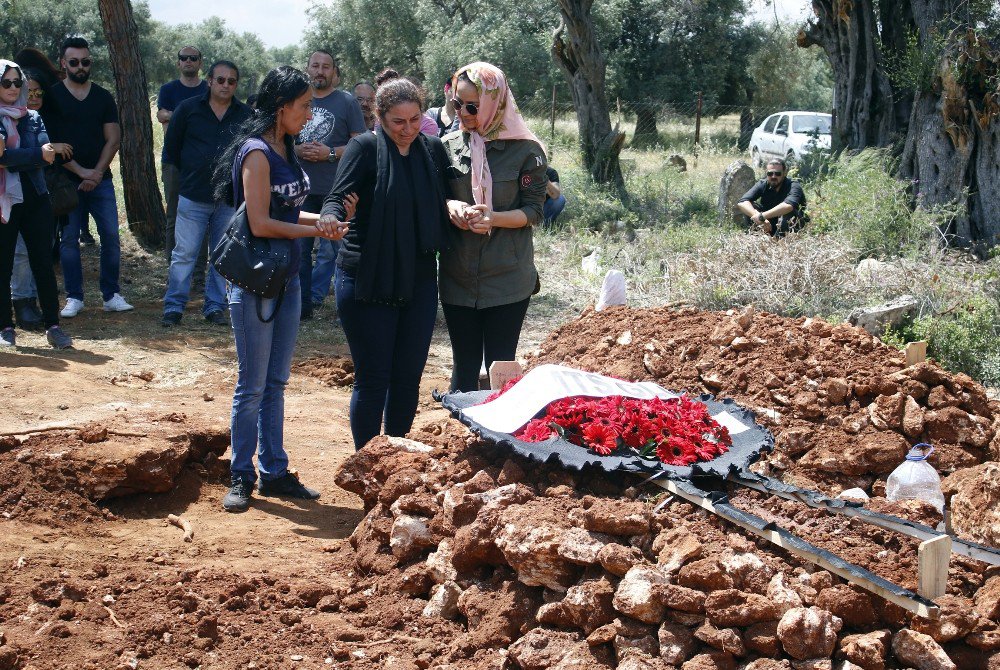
{"x":724,"y":639}
{"x":712,"y":661}
{"x":913,"y":418}
{"x":958,"y":619}
{"x":644,"y":646}
{"x":876,"y":319}
{"x":748,"y":571}
{"x":619,"y":559}
{"x":581,"y":546}
{"x":732,"y":607}
{"x":868,"y":650}
{"x":587,"y":606}
{"x":439,"y":563}
{"x":409,"y":535}
{"x":637,"y":595}
{"x":443,"y":602}
{"x":988,"y":599}
{"x":762,"y":638}
{"x":674,"y":547}
{"x":676,"y":643}
{"x":920,"y":651}
{"x":736,"y":180}
{"x":808,"y":632}
{"x":533,"y":552}
{"x":783,"y":596}
{"x":616,"y":517}
{"x":768,"y":664}
{"x":852,"y":604}
{"x":706,"y":575}
{"x":683,"y":599}
{"x":540,"y":649}
{"x":975,"y":506}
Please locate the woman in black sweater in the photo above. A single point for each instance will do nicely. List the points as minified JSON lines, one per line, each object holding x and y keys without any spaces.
{"x":386,"y":278}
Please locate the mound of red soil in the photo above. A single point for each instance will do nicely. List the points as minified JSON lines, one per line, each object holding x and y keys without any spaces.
{"x":843,"y":407}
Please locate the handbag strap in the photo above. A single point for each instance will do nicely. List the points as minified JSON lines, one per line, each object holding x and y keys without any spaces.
{"x":277,"y":305}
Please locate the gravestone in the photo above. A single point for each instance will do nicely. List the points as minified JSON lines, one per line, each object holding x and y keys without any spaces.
{"x":737,"y":180}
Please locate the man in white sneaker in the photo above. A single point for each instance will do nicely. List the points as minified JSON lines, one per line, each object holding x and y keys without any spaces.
{"x":88,"y":120}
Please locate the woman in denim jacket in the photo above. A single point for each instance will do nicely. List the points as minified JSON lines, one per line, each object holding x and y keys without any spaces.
{"x":24,"y":204}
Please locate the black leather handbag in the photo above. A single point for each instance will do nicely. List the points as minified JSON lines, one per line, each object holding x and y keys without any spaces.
{"x":259,"y":265}
{"x":62,"y":190}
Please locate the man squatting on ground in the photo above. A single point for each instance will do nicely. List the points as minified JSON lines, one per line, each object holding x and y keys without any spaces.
{"x":781,"y":201}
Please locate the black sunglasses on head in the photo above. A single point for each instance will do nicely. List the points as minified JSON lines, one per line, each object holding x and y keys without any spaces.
{"x":470,"y":107}
{"x":16,"y":83}
{"x":76,"y":62}
{"x":222,"y":80}
{"x":183,"y":57}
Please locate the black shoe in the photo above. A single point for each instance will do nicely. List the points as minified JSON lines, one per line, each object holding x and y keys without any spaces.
{"x":305,"y":314}
{"x":287,"y":486}
{"x":218,"y":317}
{"x":86,"y":238}
{"x":57,"y":338}
{"x":238,"y":497}
{"x":27,"y":314}
{"x":171,"y":319}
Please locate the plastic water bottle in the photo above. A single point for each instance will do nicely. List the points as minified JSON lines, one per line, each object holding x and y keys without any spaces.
{"x":916,"y":478}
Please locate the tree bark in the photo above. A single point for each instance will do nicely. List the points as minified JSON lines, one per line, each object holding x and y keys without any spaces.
{"x":143,"y":204}
{"x":646,"y":134}
{"x":950,"y":125}
{"x":576,"y":50}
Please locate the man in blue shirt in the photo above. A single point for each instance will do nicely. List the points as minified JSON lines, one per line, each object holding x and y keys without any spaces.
{"x":200,"y":129}
{"x":189,"y":85}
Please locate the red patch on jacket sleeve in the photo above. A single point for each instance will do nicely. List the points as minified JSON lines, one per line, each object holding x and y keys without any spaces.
{"x":525,"y":181}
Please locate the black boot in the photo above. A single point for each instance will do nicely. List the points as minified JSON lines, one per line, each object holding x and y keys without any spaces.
{"x":28,"y":315}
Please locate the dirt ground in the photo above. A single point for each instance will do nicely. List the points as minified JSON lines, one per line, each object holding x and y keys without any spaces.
{"x":315,"y":584}
{"x":129,"y":372}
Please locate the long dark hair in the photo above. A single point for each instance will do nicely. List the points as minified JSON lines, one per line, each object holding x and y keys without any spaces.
{"x":281,"y":86}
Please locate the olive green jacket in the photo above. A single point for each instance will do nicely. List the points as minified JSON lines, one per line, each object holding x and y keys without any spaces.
{"x":498,"y":269}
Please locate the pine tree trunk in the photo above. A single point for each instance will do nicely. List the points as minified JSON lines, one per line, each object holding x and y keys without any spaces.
{"x":575,"y":49}
{"x":143,"y":204}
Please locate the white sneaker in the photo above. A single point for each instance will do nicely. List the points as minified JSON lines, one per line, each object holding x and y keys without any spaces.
{"x":72,"y":308}
{"x":117,"y":304}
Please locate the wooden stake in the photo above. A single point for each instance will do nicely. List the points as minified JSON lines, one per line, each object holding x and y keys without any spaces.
{"x":697,"y":121}
{"x":932,"y":566}
{"x":552,"y":116}
{"x":502,"y":372}
{"x":916,"y":352}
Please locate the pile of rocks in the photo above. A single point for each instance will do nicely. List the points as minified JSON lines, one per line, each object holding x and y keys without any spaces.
{"x":536,"y":567}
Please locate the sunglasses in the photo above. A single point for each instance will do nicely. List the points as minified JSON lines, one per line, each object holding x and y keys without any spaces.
{"x":77,"y":62}
{"x":774,"y":173}
{"x":470,"y":107}
{"x":37,"y":93}
{"x":16,"y":83}
{"x":222,"y":80}
{"x":184,"y":57}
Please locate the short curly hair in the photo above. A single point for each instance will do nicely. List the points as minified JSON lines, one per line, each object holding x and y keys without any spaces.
{"x":395,"y":92}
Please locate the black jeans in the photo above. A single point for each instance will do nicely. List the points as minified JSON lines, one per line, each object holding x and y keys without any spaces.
{"x":479,"y":335}
{"x":389,"y":346}
{"x":33,"y":219}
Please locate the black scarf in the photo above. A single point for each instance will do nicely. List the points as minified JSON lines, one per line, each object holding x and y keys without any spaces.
{"x":406,"y":220}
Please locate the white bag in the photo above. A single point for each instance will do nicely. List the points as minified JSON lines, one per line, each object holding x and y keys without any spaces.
{"x":612,"y":290}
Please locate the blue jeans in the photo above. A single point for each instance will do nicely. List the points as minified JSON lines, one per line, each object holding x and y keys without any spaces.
{"x":194,"y":220}
{"x":389,"y":346}
{"x":22,"y":282}
{"x":316,"y":282}
{"x":99,"y":203}
{"x":552,"y":209}
{"x":264,"y":354}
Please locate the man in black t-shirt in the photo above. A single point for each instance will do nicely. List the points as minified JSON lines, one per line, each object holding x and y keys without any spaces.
{"x":188,"y":85}
{"x":88,"y":121}
{"x":782,"y":202}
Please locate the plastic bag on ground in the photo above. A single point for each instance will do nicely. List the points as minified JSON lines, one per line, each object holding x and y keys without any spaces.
{"x":612,"y":290}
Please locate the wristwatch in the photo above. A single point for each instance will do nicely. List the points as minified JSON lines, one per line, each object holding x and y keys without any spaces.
{"x":332,"y":158}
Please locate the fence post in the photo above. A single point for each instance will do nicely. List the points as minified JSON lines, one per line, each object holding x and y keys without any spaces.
{"x":552,"y":114}
{"x":697,"y":121}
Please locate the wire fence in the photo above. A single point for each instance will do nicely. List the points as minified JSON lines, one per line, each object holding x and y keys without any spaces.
{"x":673,"y":121}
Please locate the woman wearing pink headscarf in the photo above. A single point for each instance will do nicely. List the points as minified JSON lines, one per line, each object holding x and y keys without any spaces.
{"x":497,"y":181}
